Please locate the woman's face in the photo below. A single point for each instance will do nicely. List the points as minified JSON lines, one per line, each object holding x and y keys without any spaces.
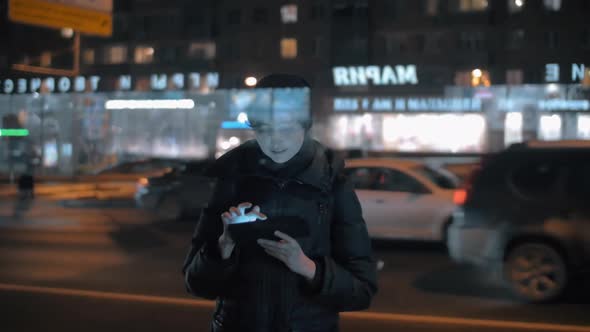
{"x":280,"y":141}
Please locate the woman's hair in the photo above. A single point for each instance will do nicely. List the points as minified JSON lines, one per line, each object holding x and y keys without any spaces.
{"x":295,"y":106}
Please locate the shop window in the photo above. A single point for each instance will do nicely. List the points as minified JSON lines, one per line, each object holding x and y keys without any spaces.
{"x":514,"y":76}
{"x":552,"y":5}
{"x":515,"y":39}
{"x":465,"y":6}
{"x":550,"y":127}
{"x":116,"y":55}
{"x":202,"y":50}
{"x":475,"y":77}
{"x":512,"y":128}
{"x":260,"y":15}
{"x":88,"y":56}
{"x":234,"y":17}
{"x":515,"y":6}
{"x":144,"y":54}
{"x":431,"y":7}
{"x":288,"y":48}
{"x":289,"y":13}
{"x":584,"y":127}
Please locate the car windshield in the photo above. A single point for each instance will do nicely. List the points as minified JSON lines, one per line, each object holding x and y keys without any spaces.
{"x":438,"y":176}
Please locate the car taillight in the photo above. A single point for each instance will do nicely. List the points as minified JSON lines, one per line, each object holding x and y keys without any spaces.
{"x":460,"y":196}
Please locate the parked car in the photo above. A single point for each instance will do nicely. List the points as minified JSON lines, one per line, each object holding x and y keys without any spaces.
{"x":526,"y":216}
{"x":119,"y":181}
{"x":181,"y":192}
{"x":403,"y":199}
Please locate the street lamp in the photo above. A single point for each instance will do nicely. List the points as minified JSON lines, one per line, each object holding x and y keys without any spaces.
{"x":476,"y":73}
{"x":251,"y":81}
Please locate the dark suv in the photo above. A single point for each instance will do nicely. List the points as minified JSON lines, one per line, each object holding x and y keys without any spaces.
{"x":526,"y":215}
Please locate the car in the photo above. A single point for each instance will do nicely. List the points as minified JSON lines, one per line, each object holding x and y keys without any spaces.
{"x":119,"y":181}
{"x":525,"y":216}
{"x":403,"y":199}
{"x":182,"y":192}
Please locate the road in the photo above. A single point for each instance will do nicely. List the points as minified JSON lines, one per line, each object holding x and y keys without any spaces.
{"x":117,"y":269}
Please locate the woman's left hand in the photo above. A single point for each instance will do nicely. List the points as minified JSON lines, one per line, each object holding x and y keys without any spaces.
{"x":289,"y":252}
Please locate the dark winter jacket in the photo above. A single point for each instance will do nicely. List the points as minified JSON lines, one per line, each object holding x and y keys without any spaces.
{"x":312,"y":188}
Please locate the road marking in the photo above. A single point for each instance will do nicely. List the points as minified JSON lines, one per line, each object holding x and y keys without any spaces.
{"x":417,"y":319}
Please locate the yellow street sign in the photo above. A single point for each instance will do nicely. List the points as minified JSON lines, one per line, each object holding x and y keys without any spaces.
{"x":55,"y":15}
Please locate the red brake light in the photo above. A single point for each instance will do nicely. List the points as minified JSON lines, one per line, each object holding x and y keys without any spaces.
{"x":460,"y":196}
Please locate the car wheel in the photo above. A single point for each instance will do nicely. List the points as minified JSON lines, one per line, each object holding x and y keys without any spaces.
{"x":536,"y":272}
{"x":169,"y":208}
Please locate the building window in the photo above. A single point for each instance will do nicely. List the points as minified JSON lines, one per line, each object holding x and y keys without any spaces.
{"x":88,"y":56}
{"x":260,"y":16}
{"x":433,"y":42}
{"x":316,"y":46}
{"x":233,"y":49}
{"x":472,"y":40}
{"x":515,"y":39}
{"x":116,"y":55}
{"x":167,"y":54}
{"x":515,"y":6}
{"x":514,"y":76}
{"x":317,"y":12}
{"x":288,"y":48}
{"x":465,"y":6}
{"x":550,"y":127}
{"x":417,"y":43}
{"x":586,"y":38}
{"x":475,"y":77}
{"x":552,"y":39}
{"x":46,"y":59}
{"x":552,"y":5}
{"x":144,"y":54}
{"x":289,"y":14}
{"x":431,"y":7}
{"x":234,"y":17}
{"x":203,"y":50}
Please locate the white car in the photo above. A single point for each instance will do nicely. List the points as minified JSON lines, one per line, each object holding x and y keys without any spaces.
{"x":404,"y":199}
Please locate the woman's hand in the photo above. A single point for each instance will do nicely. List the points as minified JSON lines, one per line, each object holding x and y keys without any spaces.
{"x":236,"y":215}
{"x":289,"y":252}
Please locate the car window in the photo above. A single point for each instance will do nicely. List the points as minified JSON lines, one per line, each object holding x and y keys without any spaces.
{"x":440,"y":179}
{"x":536,"y":180}
{"x":578,"y":182}
{"x":362,"y":177}
{"x":394,"y":180}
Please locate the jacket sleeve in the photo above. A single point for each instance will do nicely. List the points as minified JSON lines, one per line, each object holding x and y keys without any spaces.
{"x":349,"y":275}
{"x":206,"y":274}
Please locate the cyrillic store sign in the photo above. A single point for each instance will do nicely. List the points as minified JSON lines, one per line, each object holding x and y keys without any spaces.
{"x":157,"y":82}
{"x":375,"y":75}
{"x":388,"y":104}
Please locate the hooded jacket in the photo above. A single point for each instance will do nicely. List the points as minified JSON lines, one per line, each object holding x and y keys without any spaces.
{"x":256,"y":292}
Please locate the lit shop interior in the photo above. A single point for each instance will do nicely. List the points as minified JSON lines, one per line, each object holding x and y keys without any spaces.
{"x":73,"y":133}
{"x":464,"y":120}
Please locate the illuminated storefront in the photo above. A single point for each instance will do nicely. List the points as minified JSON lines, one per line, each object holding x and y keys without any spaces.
{"x":460,"y":120}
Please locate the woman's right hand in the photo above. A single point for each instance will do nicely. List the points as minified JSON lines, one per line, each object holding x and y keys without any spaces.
{"x":236,"y":215}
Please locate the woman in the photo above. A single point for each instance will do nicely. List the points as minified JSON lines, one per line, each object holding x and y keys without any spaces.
{"x":284,"y":282}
